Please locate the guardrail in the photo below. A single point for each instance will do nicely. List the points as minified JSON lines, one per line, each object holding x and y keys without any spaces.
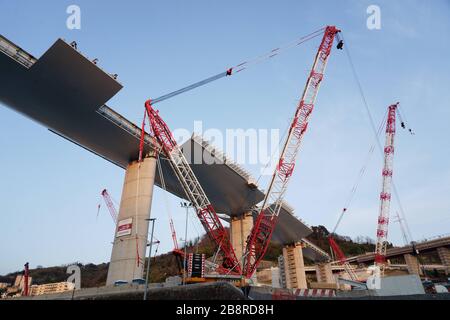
{"x":441,"y":236}
{"x":431,"y":243}
{"x":15,"y":52}
{"x":124,"y":124}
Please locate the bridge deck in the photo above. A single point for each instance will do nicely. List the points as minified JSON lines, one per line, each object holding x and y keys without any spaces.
{"x":392,"y":252}
{"x":67,"y":93}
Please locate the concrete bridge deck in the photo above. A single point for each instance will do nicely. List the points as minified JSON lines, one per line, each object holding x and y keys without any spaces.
{"x":67,"y":93}
{"x":393,"y":252}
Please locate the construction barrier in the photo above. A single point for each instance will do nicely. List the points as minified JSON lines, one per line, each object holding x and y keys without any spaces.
{"x":315,"y":292}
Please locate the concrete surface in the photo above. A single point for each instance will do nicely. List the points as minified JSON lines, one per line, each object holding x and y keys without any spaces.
{"x":265,"y":293}
{"x":240,"y":229}
{"x":73,"y":107}
{"x":206,"y":291}
{"x":324,"y":273}
{"x":294,"y":267}
{"x":135,"y":204}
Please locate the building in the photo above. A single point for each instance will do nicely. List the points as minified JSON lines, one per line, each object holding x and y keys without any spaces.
{"x":51,"y":288}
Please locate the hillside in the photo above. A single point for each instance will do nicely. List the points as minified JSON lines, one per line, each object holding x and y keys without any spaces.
{"x":165,"y":265}
{"x":350,"y":247}
{"x":91,"y":275}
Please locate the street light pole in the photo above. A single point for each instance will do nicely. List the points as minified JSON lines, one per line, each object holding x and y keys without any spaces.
{"x":149,"y":258}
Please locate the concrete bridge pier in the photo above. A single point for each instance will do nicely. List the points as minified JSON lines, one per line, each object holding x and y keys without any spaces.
{"x":412,"y":263}
{"x":240,"y":228}
{"x":324,"y":273}
{"x":444,"y":256}
{"x":130,"y":238}
{"x":294,"y":267}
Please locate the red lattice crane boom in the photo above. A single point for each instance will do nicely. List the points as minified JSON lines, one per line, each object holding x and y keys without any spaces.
{"x":385,"y":195}
{"x":342,"y":258}
{"x":174,"y":236}
{"x":339,"y":254}
{"x":194,"y":191}
{"x":112,"y":210}
{"x":26,"y":277}
{"x":265,"y":223}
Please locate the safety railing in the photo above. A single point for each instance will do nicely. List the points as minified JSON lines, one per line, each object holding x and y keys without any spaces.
{"x":16,"y":53}
{"x":125,"y":124}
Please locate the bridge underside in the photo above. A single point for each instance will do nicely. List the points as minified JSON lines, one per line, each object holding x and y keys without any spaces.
{"x":66,"y":93}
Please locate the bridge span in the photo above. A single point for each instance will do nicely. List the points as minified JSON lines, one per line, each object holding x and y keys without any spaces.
{"x":440,"y":244}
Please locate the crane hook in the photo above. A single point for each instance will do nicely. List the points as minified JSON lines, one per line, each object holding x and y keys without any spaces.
{"x":340,"y":44}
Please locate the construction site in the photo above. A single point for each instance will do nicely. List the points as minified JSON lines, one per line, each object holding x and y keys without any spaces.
{"x":242,"y":218}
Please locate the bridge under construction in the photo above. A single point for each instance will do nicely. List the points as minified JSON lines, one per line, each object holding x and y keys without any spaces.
{"x":75,"y":108}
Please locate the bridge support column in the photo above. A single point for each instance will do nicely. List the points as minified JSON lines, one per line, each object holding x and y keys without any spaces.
{"x":240,"y":228}
{"x":130,"y":238}
{"x":324,"y":273}
{"x":444,"y":256}
{"x":294,"y":267}
{"x":412,"y":263}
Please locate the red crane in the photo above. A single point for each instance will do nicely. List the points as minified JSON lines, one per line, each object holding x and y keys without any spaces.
{"x":342,"y":258}
{"x":110,"y":205}
{"x":192,"y":188}
{"x":261,"y":234}
{"x":26,"y":275}
{"x":174,"y":237}
{"x":339,"y":254}
{"x":194,"y":191}
{"x":385,"y":195}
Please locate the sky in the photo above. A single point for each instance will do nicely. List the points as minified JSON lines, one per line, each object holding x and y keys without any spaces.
{"x":50,"y":189}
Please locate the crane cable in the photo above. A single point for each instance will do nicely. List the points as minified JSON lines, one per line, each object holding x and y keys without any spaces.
{"x":163,"y":185}
{"x":372,"y":124}
{"x":277,"y":149}
{"x":361,"y":173}
{"x":192,"y":220}
{"x":229,"y":72}
{"x":276,"y":51}
{"x":243,"y":65}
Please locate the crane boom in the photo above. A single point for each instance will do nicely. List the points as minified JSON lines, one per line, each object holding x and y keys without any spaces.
{"x":174,"y":236}
{"x":26,"y":275}
{"x":194,"y":191}
{"x":385,"y":195}
{"x":264,"y":225}
{"x":342,"y":259}
{"x":110,"y":205}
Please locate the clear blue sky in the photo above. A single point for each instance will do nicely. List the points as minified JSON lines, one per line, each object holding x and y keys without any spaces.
{"x":49,"y":189}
